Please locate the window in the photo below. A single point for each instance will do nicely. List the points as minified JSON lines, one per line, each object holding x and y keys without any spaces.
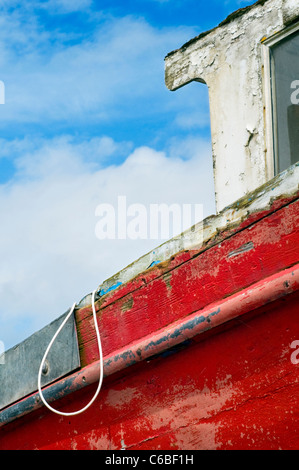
{"x":284,"y":66}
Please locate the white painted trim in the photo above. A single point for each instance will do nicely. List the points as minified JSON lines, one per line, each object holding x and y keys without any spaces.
{"x":268,"y":113}
{"x":269,"y":99}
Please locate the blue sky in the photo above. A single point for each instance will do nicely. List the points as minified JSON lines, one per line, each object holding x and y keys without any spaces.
{"x":87,"y":117}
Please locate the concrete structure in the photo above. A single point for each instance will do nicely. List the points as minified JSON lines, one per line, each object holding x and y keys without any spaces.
{"x":233,"y":60}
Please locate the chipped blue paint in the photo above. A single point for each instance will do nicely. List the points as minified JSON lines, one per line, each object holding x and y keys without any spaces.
{"x":154,"y":264}
{"x":124,"y":356}
{"x":190,"y":325}
{"x":153,"y":344}
{"x":102,"y":292}
{"x":212,"y":315}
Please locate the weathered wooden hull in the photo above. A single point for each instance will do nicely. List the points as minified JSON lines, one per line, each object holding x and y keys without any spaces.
{"x":235,"y":390}
{"x":198,"y":352}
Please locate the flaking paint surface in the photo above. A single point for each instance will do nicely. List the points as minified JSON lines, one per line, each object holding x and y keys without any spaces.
{"x":207,"y":396}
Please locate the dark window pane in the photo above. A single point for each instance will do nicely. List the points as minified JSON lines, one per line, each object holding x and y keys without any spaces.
{"x":285,"y":95}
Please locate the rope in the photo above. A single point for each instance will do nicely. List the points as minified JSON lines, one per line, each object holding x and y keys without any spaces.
{"x":101,"y":362}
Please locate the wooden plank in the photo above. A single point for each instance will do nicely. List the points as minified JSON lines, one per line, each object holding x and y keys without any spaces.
{"x":190,"y":281}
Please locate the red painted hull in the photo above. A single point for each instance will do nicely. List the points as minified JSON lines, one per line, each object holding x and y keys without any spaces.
{"x":232,"y":383}
{"x":235,"y":390}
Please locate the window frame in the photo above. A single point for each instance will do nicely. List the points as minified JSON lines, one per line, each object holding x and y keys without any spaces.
{"x":272,"y":158}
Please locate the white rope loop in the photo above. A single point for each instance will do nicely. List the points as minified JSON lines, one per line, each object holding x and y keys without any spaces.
{"x":101,"y":362}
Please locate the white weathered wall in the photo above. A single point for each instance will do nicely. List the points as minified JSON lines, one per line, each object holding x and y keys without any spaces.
{"x":229,"y":60}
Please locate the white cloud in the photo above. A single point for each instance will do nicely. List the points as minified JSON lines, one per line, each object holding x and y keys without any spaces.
{"x":41,"y":158}
{"x":50,"y":256}
{"x":102,"y":76}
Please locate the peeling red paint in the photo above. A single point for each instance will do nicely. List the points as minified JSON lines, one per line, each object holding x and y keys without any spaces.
{"x":208,"y":396}
{"x":196,"y":281}
{"x":233,"y":384}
